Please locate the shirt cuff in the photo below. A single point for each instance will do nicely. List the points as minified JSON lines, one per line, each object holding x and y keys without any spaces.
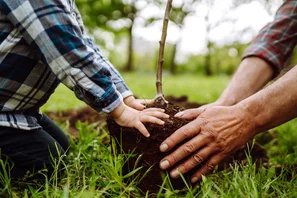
{"x":113,"y":105}
{"x":268,"y":53}
{"x":123,"y":89}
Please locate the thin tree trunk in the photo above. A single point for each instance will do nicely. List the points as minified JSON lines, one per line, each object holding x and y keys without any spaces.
{"x":172,"y":61}
{"x":207,"y":63}
{"x":129,"y":64}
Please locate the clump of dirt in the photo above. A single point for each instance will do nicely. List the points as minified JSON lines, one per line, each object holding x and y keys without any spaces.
{"x":133,"y":142}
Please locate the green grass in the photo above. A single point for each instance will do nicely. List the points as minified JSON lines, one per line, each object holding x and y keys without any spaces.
{"x":93,"y":169}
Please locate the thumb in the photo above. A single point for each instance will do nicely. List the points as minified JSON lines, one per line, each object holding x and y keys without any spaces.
{"x":190,"y":113}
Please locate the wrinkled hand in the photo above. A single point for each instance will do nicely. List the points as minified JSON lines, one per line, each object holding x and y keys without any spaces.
{"x":215,"y":133}
{"x":129,"y":117}
{"x":138,"y":104}
{"x":191,"y":114}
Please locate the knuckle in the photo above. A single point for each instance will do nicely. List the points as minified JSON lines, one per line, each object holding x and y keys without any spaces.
{"x":186,"y":132}
{"x":197,"y":159}
{"x":210,"y":167}
{"x":170,"y":141}
{"x":174,"y":159}
{"x":184,"y":168}
{"x":209,"y":134}
{"x":188,"y":148}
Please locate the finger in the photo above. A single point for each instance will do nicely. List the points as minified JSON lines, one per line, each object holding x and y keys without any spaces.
{"x":151,"y":119}
{"x":190,"y":113}
{"x":185,"y":132}
{"x":207,"y":168}
{"x":183,"y":151}
{"x":196,"y":159}
{"x":141,"y":128}
{"x":157,"y":114}
{"x":153,"y":109}
{"x":146,"y":101}
{"x":138,"y":106}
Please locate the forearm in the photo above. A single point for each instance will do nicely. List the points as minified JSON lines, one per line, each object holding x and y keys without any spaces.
{"x":273,"y":105}
{"x":252,"y":75}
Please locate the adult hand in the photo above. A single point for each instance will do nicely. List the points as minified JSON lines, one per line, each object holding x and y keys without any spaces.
{"x":216,"y":133}
{"x":138,"y":104}
{"x":129,"y":117}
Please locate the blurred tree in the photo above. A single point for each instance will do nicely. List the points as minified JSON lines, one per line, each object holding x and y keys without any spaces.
{"x":179,"y":13}
{"x":117,"y":16}
{"x":211,"y":24}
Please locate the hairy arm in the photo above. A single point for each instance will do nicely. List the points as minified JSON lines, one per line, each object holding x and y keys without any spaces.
{"x":251,"y":76}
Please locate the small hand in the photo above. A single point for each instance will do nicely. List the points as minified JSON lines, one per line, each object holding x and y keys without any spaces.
{"x":214,"y":134}
{"x":129,"y":117}
{"x":138,"y":104}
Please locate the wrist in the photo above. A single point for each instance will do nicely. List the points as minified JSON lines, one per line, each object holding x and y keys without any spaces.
{"x":118,"y":111}
{"x":251,"y":111}
{"x":226,"y":101}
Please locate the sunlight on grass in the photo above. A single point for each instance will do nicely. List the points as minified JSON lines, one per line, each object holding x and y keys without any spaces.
{"x":197,"y":88}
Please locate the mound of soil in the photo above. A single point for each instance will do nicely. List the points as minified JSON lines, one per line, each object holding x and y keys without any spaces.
{"x":131,"y":141}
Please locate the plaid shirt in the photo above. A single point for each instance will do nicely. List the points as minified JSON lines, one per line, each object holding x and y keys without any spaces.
{"x":277,"y":40}
{"x":43,"y":43}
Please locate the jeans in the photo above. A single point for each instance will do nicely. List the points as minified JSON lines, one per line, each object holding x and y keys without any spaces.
{"x":32,"y":151}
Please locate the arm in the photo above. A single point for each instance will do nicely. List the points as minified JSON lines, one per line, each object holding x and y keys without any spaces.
{"x":52,"y":31}
{"x":116,"y":77}
{"x":219,"y":131}
{"x":267,"y":55}
{"x":252,"y":75}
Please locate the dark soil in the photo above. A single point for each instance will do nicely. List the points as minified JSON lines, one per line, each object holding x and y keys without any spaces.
{"x":133,"y":141}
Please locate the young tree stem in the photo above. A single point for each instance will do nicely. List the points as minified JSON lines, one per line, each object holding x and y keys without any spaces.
{"x":161,"y":51}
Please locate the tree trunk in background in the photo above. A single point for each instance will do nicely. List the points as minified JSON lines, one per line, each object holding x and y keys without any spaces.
{"x":129,"y":64}
{"x":131,"y":16}
{"x":172,"y":61}
{"x":207,"y":63}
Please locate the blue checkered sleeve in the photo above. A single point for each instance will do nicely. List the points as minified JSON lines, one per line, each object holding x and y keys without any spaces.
{"x":53,"y":29}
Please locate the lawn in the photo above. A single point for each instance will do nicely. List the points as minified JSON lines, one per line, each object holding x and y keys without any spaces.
{"x":93,"y":170}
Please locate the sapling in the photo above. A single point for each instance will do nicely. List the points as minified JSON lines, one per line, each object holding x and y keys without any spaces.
{"x":160,"y":96}
{"x":148,"y":148}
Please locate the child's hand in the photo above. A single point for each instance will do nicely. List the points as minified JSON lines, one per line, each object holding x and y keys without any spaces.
{"x":138,"y":104}
{"x":129,"y":117}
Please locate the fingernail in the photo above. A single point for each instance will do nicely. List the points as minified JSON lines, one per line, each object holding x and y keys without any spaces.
{"x":175,"y":173}
{"x":179,"y":114}
{"x":163,"y":147}
{"x":164,"y":164}
{"x":194,"y":179}
{"x":148,"y":135}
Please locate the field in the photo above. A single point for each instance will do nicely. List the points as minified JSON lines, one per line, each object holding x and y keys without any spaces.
{"x":93,"y":170}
